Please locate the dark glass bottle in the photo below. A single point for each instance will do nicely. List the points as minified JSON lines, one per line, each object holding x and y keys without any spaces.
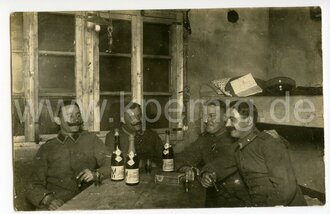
{"x":168,"y":155}
{"x":117,"y":160}
{"x":132,"y":176}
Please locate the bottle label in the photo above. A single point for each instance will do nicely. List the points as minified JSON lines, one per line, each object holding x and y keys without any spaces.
{"x":117,"y":172}
{"x":130,"y":162}
{"x":118,"y":152}
{"x":167,"y":146}
{"x":131,"y":155}
{"x":132,"y":176}
{"x":118,"y":159}
{"x":168,"y":165}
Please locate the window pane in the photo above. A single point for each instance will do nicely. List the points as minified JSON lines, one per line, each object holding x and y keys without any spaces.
{"x":49,"y":109}
{"x":57,"y":73}
{"x":16,"y":31}
{"x":17,"y":73}
{"x":110,"y":113}
{"x":56,"y":32}
{"x":121,"y":37}
{"x":17,"y":116}
{"x":156,"y":39}
{"x":115,"y":73}
{"x":156,"y":75}
{"x":152,"y":111}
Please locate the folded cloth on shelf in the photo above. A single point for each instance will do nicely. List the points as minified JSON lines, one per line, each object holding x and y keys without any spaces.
{"x":220,"y":84}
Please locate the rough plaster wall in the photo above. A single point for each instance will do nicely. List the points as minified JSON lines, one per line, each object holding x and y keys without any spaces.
{"x":218,"y":48}
{"x":295,"y":46}
{"x":267,"y":44}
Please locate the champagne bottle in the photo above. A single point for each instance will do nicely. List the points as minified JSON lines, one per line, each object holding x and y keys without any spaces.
{"x":168,"y":156}
{"x":117,"y":160}
{"x":132,"y":164}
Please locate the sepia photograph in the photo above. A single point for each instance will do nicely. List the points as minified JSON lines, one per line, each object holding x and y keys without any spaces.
{"x":167,"y":108}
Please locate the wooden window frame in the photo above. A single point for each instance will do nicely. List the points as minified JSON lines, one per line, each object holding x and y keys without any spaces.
{"x":87,"y":65}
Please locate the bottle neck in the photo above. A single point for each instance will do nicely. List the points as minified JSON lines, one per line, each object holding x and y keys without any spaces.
{"x":167,"y":139}
{"x":131,"y":145}
{"x":117,"y":143}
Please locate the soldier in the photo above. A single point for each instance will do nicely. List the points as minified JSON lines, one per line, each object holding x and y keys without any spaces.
{"x":262,"y":159}
{"x":148,"y":144}
{"x":213,"y":153}
{"x":65,"y":165}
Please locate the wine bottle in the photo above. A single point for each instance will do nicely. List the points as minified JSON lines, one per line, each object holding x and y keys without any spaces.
{"x":168,"y":156}
{"x":132,"y":164}
{"x":117,"y":160}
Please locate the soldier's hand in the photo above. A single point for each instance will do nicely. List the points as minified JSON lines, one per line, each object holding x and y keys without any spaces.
{"x":55,"y":204}
{"x":190,"y":175}
{"x":207,"y":179}
{"x":51,"y":203}
{"x":85,"y":176}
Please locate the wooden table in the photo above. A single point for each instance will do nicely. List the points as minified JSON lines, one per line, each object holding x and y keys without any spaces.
{"x":147,"y":194}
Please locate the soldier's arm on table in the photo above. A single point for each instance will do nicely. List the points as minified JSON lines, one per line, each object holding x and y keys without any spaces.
{"x":278,"y":163}
{"x":37,"y":188}
{"x":103,"y":158}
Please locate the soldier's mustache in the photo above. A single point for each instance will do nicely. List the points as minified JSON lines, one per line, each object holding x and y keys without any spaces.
{"x":75,"y":124}
{"x":230,"y":128}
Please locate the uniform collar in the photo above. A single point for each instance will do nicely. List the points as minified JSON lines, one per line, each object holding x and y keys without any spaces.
{"x":64,"y":138}
{"x":249,"y":138}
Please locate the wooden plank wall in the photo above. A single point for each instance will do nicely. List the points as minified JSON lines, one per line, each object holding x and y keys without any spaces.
{"x":30,"y":35}
{"x":177,"y":78}
{"x":87,"y":73}
{"x":137,"y":59}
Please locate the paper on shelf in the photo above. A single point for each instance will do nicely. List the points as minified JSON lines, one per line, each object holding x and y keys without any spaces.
{"x":245,"y":86}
